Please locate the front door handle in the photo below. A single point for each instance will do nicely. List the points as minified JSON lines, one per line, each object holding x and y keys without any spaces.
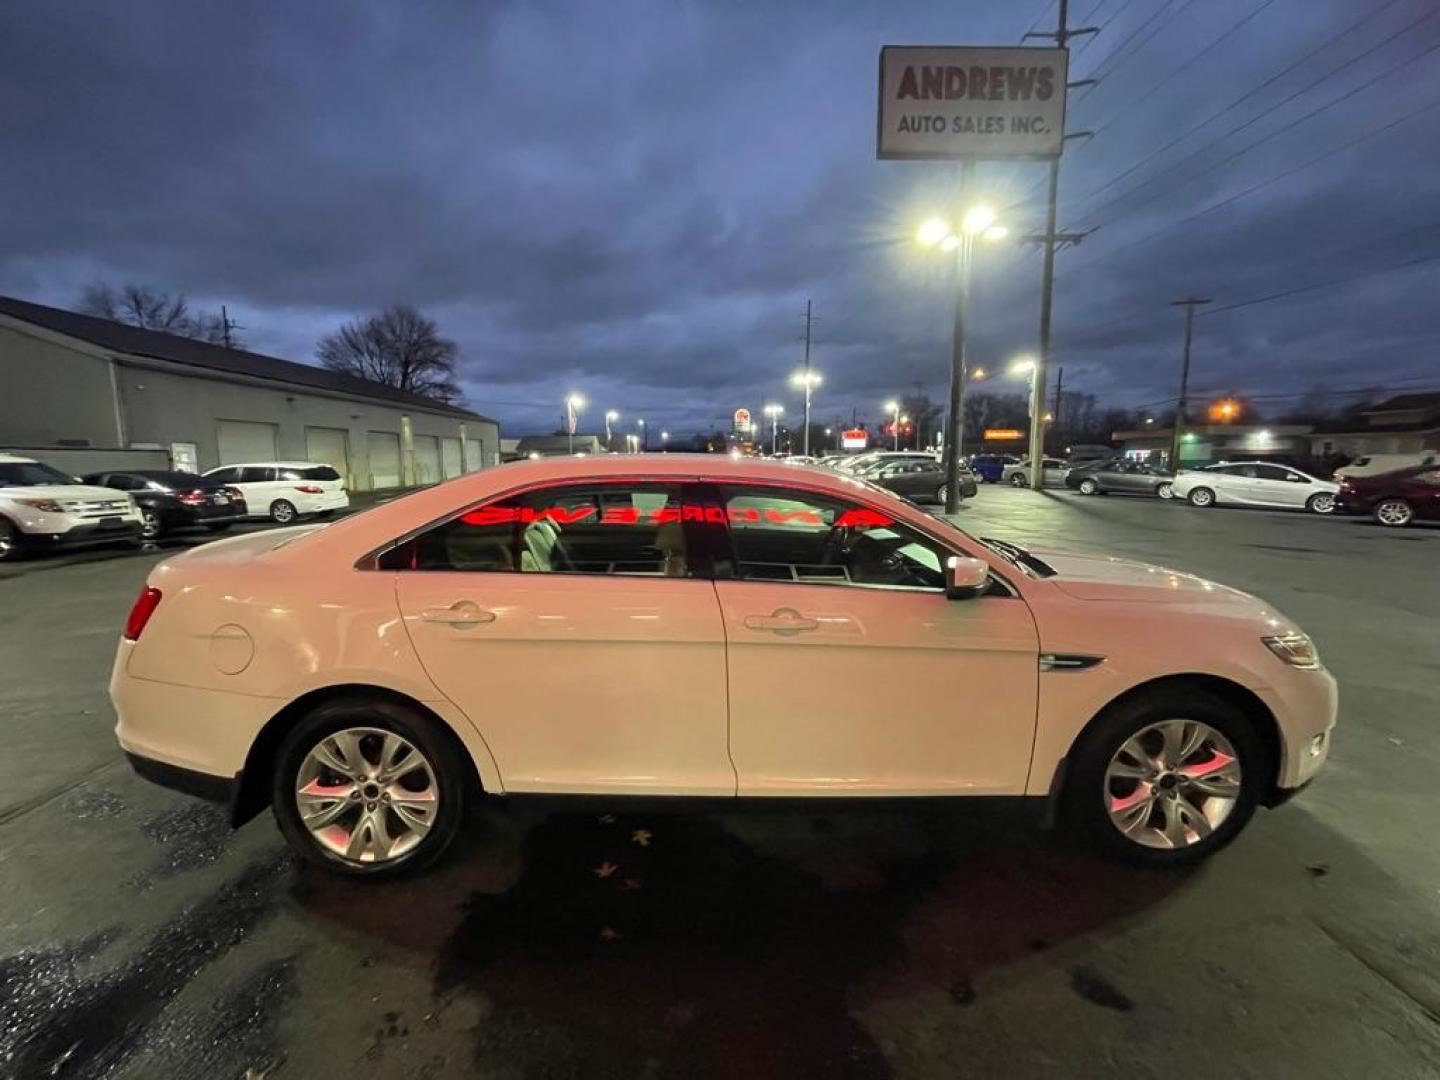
{"x":782,"y":621}
{"x":461,"y":614}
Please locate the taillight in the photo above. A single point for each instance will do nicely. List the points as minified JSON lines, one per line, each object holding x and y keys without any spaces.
{"x":310,"y":489}
{"x":235,"y":493}
{"x":145,"y":605}
{"x":193,"y":498}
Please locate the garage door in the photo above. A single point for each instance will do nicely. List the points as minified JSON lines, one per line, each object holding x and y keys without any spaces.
{"x":245,"y":440}
{"x":329,"y":446}
{"x":450,"y":457}
{"x":427,"y":459}
{"x":473,"y":460}
{"x":383,"y":449}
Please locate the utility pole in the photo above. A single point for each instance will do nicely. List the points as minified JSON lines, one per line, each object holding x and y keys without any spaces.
{"x":807,"y":378}
{"x":1190,"y":303}
{"x":1061,"y":36}
{"x":226,"y":326}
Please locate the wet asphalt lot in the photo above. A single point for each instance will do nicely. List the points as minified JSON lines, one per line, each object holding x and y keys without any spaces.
{"x":140,"y":937}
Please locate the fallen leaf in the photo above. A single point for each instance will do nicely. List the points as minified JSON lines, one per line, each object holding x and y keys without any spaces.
{"x":642,"y":837}
{"x":606,"y":868}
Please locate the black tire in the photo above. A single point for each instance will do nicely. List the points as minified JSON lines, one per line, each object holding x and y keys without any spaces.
{"x":1202,"y":497}
{"x":1088,"y":487}
{"x":1018,"y":480}
{"x":1164,"y":491}
{"x":1322,"y":502}
{"x":219,"y":526}
{"x":12,"y":544}
{"x":1393,"y":513}
{"x":283,"y":512}
{"x":441,"y":751}
{"x":151,"y":527}
{"x":1085,"y":792}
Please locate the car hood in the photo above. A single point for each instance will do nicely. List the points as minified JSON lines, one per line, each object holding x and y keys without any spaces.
{"x":63,"y":492}
{"x":1104,"y":577}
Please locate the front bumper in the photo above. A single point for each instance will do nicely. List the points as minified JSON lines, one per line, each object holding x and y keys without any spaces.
{"x":87,"y":533}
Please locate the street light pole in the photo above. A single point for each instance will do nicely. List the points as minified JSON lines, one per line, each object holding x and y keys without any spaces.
{"x":955,"y":429}
{"x":610,"y":414}
{"x":644,"y":434}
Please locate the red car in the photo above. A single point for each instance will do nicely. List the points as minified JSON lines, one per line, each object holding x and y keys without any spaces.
{"x":1393,"y":498}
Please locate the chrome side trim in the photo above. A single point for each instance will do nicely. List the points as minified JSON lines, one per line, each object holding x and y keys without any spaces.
{"x":1069,"y":661}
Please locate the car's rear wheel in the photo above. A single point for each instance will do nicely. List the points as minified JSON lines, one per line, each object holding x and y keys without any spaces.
{"x":283,"y":512}
{"x":11,"y":546}
{"x":369,"y":788}
{"x":1165,"y":491}
{"x":1393,"y":512}
{"x":1166,"y":778}
{"x":1018,"y":479}
{"x":1088,"y":486}
{"x":1322,"y":502}
{"x":150,"y":525}
{"x":1202,"y":496}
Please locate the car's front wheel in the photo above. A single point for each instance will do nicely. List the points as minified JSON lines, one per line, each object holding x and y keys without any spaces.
{"x":1166,"y":778}
{"x":1088,"y":486}
{"x":1393,"y":512}
{"x":150,"y":524}
{"x":283,"y":512}
{"x":11,"y":546}
{"x":1165,"y":491}
{"x":1018,"y":479}
{"x":1322,"y":502}
{"x":369,"y":788}
{"x":1202,"y":496}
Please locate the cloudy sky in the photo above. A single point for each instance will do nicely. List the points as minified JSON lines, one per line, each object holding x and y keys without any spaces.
{"x":635,"y":199}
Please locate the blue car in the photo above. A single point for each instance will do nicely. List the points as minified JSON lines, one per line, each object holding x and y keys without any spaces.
{"x":988,"y":467}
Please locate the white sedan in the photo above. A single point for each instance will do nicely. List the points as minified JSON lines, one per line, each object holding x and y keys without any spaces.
{"x":1256,"y":483}
{"x":681,"y":625}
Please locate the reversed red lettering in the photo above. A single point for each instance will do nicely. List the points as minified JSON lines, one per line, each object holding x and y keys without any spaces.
{"x":793,"y":517}
{"x":863,"y":519}
{"x":491,"y":515}
{"x":620,"y":515}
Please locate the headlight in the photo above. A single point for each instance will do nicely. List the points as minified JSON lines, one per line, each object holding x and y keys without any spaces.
{"x":49,"y":506}
{"x":1297,"y":649}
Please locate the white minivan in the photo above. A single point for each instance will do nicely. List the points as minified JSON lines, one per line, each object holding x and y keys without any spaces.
{"x":283,"y":490}
{"x":1376,"y":464}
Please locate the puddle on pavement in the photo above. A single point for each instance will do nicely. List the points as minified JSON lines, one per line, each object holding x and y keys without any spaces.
{"x":65,"y":1013}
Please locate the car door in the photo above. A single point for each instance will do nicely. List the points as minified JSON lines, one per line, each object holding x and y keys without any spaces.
{"x":576,"y":630}
{"x":1270,"y":485}
{"x":849,"y":671}
{"x":260,"y":487}
{"x":1297,"y":487}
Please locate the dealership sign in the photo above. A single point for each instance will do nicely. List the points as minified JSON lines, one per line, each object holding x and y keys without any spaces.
{"x":854,"y":439}
{"x":742,"y":419}
{"x":1003,"y":434}
{"x":957,"y":102}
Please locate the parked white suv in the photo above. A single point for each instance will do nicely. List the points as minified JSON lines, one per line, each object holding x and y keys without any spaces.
{"x":283,"y":490}
{"x":41,"y":507}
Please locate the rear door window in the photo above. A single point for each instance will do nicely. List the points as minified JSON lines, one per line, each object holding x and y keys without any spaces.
{"x":257,"y":474}
{"x":314,"y":472}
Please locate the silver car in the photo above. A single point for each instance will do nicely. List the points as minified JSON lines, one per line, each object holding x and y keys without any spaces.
{"x":1019,"y":473}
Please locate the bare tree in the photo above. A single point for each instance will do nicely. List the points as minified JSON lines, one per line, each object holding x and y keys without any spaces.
{"x":153,"y":309}
{"x":400,"y":348}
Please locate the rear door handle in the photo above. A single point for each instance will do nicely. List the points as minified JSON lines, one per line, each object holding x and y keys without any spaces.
{"x":782,"y":621}
{"x":461,"y":614}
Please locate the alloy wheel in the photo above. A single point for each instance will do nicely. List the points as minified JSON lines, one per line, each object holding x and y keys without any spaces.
{"x":1165,"y":491}
{"x":1088,"y":487}
{"x":149,"y":524}
{"x":1201,"y":497}
{"x":367,"y":795}
{"x":1017,"y":479}
{"x":1172,"y":784}
{"x":1323,"y":503}
{"x":1393,"y":512}
{"x":8,"y":544}
{"x":282,"y":512}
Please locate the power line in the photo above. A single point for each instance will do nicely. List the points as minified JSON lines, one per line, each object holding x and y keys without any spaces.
{"x":1194,"y":59}
{"x":1101,"y":69}
{"x":1193,"y":176}
{"x":1364,"y":137}
{"x":1367,"y":17}
{"x":1375,"y":272}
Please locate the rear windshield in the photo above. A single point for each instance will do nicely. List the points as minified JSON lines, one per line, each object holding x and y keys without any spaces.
{"x":313,"y":472}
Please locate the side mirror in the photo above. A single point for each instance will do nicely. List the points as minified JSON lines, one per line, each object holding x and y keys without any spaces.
{"x":965,"y":578}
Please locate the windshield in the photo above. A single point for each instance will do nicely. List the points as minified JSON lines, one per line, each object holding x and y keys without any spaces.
{"x":30,"y":474}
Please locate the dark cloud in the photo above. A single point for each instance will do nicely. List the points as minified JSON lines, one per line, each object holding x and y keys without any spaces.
{"x":636,"y":199}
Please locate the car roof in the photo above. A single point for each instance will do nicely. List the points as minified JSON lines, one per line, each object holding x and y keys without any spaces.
{"x":16,"y":459}
{"x":268,"y":465}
